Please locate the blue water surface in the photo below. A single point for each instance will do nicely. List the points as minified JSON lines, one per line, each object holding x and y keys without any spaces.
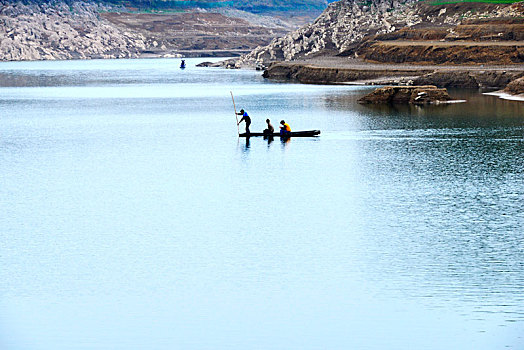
{"x":133,"y":217}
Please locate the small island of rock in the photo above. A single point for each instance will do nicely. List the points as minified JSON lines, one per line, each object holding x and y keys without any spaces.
{"x":516,"y":87}
{"x":418,"y":95}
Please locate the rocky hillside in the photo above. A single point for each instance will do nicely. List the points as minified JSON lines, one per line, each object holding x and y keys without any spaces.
{"x":61,"y":31}
{"x":356,"y":28}
{"x":77,"y":29}
{"x":340,"y":26}
{"x":199,"y":33}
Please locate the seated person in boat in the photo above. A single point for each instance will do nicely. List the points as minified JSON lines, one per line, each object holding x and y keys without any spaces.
{"x":285,"y":129}
{"x":245,"y":118}
{"x":270,"y":129}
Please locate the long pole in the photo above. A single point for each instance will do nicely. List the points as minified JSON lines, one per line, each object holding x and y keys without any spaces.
{"x":238,"y":128}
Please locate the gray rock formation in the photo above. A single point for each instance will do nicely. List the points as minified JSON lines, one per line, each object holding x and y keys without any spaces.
{"x":60,"y":31}
{"x":342,"y":24}
{"x":418,"y":95}
{"x":341,"y":27}
{"x":516,"y":87}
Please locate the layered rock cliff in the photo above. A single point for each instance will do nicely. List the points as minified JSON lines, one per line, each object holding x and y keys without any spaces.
{"x":340,"y":26}
{"x":349,"y":27}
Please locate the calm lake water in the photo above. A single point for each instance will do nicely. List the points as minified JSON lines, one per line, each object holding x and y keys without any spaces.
{"x":132,"y":217}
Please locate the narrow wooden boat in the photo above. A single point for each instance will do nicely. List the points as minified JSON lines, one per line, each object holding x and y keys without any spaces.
{"x":307,"y":133}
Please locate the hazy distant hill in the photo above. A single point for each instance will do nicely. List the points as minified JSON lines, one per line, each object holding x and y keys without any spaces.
{"x":255,"y":6}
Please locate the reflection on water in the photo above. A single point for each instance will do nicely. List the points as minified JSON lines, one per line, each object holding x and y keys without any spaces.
{"x":132,"y":215}
{"x":285,"y":141}
{"x":479,"y":111}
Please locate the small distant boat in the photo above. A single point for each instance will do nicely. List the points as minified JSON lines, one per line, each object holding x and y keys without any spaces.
{"x":306,"y":133}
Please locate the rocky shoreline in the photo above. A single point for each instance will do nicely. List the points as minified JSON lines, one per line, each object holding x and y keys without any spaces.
{"x":359,"y":72}
{"x":464,"y":45}
{"x":516,"y":87}
{"x":513,"y":91}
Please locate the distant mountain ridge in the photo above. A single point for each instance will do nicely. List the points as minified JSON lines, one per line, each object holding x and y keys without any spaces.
{"x":254,"y":6}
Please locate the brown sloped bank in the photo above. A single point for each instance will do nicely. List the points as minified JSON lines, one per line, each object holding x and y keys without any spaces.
{"x":446,"y":53}
{"x":310,"y":74}
{"x":194,"y":34}
{"x":494,"y":41}
{"x":360,"y":72}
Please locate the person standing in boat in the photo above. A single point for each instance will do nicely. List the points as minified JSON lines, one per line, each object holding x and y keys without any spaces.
{"x":285,"y":129}
{"x":246,"y":119}
{"x":270,"y":129}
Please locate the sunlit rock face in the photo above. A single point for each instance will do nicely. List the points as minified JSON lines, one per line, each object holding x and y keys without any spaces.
{"x":344,"y":24}
{"x":61,"y":31}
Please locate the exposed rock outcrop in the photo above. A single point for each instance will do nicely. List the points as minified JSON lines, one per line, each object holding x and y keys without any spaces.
{"x":80,"y":29}
{"x":418,"y":95}
{"x":60,"y":31}
{"x":352,"y":28}
{"x":516,"y":87}
{"x":337,"y":28}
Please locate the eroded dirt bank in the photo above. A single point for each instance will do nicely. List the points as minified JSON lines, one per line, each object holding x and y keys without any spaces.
{"x":342,"y":70}
{"x":195,"y":33}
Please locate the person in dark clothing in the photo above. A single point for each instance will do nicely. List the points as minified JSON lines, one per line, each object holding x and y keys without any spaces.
{"x":245,"y":118}
{"x":270,"y":129}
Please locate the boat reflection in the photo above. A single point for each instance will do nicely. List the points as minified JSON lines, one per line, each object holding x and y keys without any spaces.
{"x":284,"y":141}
